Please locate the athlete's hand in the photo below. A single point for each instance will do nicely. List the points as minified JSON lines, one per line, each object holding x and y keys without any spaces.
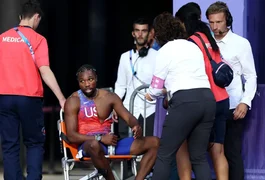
{"x":114,"y":116}
{"x":137,"y":131}
{"x":109,"y":139}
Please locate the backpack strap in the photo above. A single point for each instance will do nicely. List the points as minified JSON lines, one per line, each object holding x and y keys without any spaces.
{"x":204,"y":46}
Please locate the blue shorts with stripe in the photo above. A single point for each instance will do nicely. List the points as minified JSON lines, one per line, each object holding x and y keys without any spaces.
{"x":123,"y":147}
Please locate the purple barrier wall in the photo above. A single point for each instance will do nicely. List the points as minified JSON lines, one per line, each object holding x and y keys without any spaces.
{"x":237,"y":8}
{"x":159,"y":117}
{"x":254,"y":138}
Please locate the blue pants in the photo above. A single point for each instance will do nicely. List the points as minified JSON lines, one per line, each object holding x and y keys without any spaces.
{"x":27,"y":112}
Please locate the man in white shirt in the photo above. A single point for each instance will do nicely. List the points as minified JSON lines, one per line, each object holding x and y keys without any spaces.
{"x":237,"y":51}
{"x":135,"y":69}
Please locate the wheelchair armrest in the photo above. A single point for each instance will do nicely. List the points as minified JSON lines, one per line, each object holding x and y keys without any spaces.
{"x":65,"y":138}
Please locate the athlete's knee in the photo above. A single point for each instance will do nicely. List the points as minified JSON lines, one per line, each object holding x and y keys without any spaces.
{"x":92,"y":147}
{"x":153,"y":142}
{"x":156,"y":142}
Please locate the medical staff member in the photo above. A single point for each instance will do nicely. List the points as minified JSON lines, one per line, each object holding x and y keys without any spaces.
{"x":24,"y":62}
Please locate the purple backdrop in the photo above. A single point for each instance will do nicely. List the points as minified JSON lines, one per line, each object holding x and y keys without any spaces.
{"x":159,"y":117}
{"x":237,"y":8}
{"x":254,"y":138}
{"x":248,"y":22}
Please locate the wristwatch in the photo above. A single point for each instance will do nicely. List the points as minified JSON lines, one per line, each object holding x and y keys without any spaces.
{"x":98,"y":137}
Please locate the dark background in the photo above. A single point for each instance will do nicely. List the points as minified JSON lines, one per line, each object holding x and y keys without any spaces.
{"x":93,"y":32}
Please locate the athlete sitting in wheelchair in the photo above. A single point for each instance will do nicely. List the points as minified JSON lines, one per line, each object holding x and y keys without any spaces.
{"x":88,"y":119}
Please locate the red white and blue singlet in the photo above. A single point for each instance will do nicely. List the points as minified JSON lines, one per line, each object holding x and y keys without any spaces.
{"x":88,"y":120}
{"x":89,"y":124}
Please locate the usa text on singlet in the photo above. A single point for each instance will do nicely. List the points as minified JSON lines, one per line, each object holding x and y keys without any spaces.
{"x":88,"y":120}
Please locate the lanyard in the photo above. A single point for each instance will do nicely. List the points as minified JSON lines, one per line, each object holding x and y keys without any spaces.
{"x":132,"y":67}
{"x":27,"y":42}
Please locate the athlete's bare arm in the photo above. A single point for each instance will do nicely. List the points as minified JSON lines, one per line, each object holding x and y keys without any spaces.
{"x":126,"y":115}
{"x":71,"y":109}
{"x":122,"y":111}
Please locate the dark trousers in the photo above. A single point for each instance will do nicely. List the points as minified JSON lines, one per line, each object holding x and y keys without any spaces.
{"x":190,"y":116}
{"x":233,"y":147}
{"x":219,"y":126}
{"x":123,"y":127}
{"x":27,"y":112}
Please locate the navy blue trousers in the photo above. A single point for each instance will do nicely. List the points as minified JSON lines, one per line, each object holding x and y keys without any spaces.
{"x":27,"y":112}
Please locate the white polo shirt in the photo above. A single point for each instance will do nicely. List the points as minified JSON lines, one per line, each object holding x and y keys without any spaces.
{"x":179,"y":66}
{"x":127,"y":82}
{"x":237,"y":51}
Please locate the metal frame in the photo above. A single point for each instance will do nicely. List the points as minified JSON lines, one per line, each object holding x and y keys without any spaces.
{"x":131,"y":110}
{"x":131,"y":106}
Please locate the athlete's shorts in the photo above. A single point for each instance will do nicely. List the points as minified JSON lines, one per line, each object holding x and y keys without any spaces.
{"x":122,"y":148}
{"x":219,"y":127}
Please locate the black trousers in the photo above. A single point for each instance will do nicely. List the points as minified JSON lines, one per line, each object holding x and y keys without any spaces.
{"x":190,"y":116}
{"x":123,"y":127}
{"x":233,"y":147}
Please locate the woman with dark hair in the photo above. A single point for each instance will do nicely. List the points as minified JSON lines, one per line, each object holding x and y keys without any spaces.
{"x":194,"y":27}
{"x":196,"y":8}
{"x":180,"y":70}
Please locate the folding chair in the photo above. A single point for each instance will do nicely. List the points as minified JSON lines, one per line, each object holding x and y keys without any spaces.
{"x":68,"y":163}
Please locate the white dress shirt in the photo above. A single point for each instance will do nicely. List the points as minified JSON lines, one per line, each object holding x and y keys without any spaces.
{"x":237,"y":51}
{"x":179,"y":66}
{"x":127,"y":82}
